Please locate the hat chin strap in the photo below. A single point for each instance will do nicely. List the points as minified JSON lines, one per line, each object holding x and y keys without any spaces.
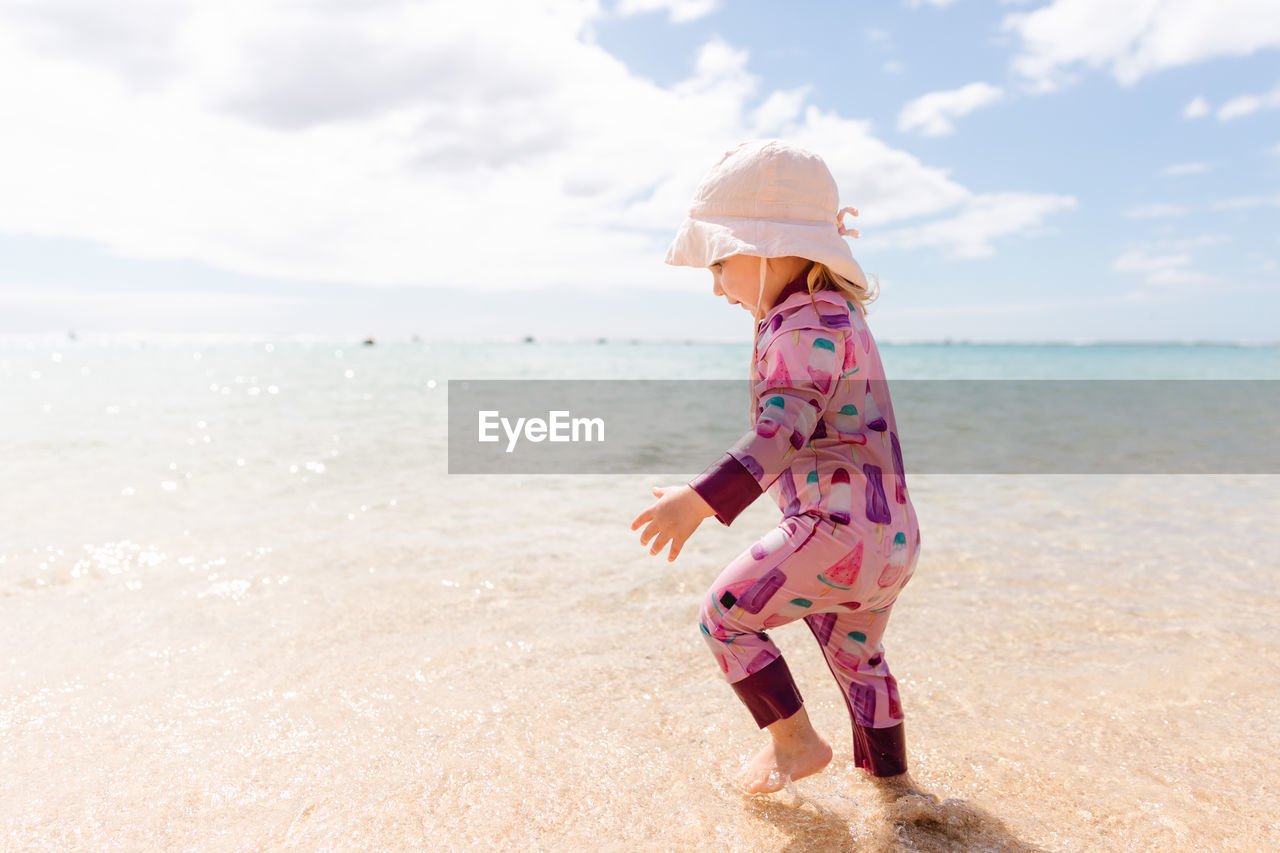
{"x":764,"y":270}
{"x":755,"y":340}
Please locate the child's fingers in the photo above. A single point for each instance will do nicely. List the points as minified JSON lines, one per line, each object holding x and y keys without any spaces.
{"x":659,"y":544}
{"x":640,"y":519}
{"x":649,"y":533}
{"x":676,"y":546}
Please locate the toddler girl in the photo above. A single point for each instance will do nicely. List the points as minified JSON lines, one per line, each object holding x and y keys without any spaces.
{"x":823,"y":442}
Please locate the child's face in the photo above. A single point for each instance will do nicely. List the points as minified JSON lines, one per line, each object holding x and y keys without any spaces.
{"x":737,"y":278}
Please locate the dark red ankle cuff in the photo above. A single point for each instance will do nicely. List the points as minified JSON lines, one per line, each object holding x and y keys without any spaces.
{"x":769,"y":694}
{"x":880,"y":752}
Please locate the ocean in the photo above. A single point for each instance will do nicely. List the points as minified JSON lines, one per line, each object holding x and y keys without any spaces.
{"x":246,"y":607}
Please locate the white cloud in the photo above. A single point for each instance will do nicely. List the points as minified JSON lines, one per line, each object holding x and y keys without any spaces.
{"x":1243,"y":105}
{"x":1198,"y":107}
{"x":1263,"y":263}
{"x":1169,"y":266}
{"x":985,"y":217}
{"x":1246,"y":202}
{"x":877,"y":35}
{"x":893,"y":67}
{"x":1132,"y":40}
{"x":140,"y":309}
{"x":1159,"y":269}
{"x":1193,"y":241}
{"x":1155,"y":211}
{"x":678,"y":11}
{"x":779,"y":112}
{"x":378,"y":142}
{"x":720,"y":69}
{"x":885,"y":184}
{"x":192,"y":301}
{"x":931,"y":114}
{"x":1237,"y":107}
{"x":1176,"y":169}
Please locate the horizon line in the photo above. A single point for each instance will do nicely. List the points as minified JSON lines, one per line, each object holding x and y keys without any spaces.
{"x":72,"y":337}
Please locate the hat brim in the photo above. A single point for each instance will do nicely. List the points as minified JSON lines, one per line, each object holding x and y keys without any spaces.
{"x":703,"y":241}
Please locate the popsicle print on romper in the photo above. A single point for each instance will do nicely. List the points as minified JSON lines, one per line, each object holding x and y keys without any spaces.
{"x":759,"y":593}
{"x":895,"y":700}
{"x":840,"y":500}
{"x":777,"y":373}
{"x":847,"y":662}
{"x":863,"y":698}
{"x":871,"y":703}
{"x":822,"y":363}
{"x":838,"y":322}
{"x":823,"y":626}
{"x":749,"y":599}
{"x":899,"y":476}
{"x":897,"y":561}
{"x":821,"y":623}
{"x":774,"y":539}
{"x":788,"y":486}
{"x":877,"y":505}
{"x":850,"y":365}
{"x":771,"y":418}
{"x":871,"y":412}
{"x":752,"y":588}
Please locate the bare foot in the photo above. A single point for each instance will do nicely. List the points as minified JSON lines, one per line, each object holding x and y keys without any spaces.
{"x":774,"y":765}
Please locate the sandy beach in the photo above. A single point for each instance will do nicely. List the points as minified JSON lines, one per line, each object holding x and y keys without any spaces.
{"x":321,"y":641}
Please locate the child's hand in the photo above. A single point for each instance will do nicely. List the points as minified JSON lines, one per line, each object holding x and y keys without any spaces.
{"x":677,"y":513}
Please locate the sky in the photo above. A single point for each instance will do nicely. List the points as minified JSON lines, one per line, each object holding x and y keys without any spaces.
{"x":1073,"y":170}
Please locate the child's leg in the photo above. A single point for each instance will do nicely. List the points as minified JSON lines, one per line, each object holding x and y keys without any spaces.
{"x":770,"y":584}
{"x":767,"y":585}
{"x":850,"y":641}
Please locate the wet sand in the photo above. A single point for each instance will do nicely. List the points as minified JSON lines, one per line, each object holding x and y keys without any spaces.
{"x":1086,"y":663}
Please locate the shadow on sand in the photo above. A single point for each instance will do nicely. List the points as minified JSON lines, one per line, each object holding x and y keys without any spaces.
{"x":915,"y":821}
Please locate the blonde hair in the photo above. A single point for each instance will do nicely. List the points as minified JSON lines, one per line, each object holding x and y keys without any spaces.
{"x":821,"y":277}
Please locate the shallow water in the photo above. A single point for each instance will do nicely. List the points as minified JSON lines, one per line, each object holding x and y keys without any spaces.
{"x":301,"y":634}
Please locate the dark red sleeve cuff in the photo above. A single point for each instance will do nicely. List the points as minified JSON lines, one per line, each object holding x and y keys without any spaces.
{"x":727,"y":487}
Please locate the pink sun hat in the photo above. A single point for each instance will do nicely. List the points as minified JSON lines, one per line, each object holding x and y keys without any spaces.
{"x":769,"y":199}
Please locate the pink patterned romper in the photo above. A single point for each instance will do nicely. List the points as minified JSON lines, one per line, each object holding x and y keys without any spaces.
{"x":825,"y":446}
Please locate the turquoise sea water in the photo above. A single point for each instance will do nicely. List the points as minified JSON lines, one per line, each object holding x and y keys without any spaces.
{"x":902,"y":361}
{"x":110,"y":404}
{"x":648,"y":360}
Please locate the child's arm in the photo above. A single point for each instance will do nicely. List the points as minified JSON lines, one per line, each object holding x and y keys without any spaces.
{"x":672,"y":518}
{"x":801,"y":364}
